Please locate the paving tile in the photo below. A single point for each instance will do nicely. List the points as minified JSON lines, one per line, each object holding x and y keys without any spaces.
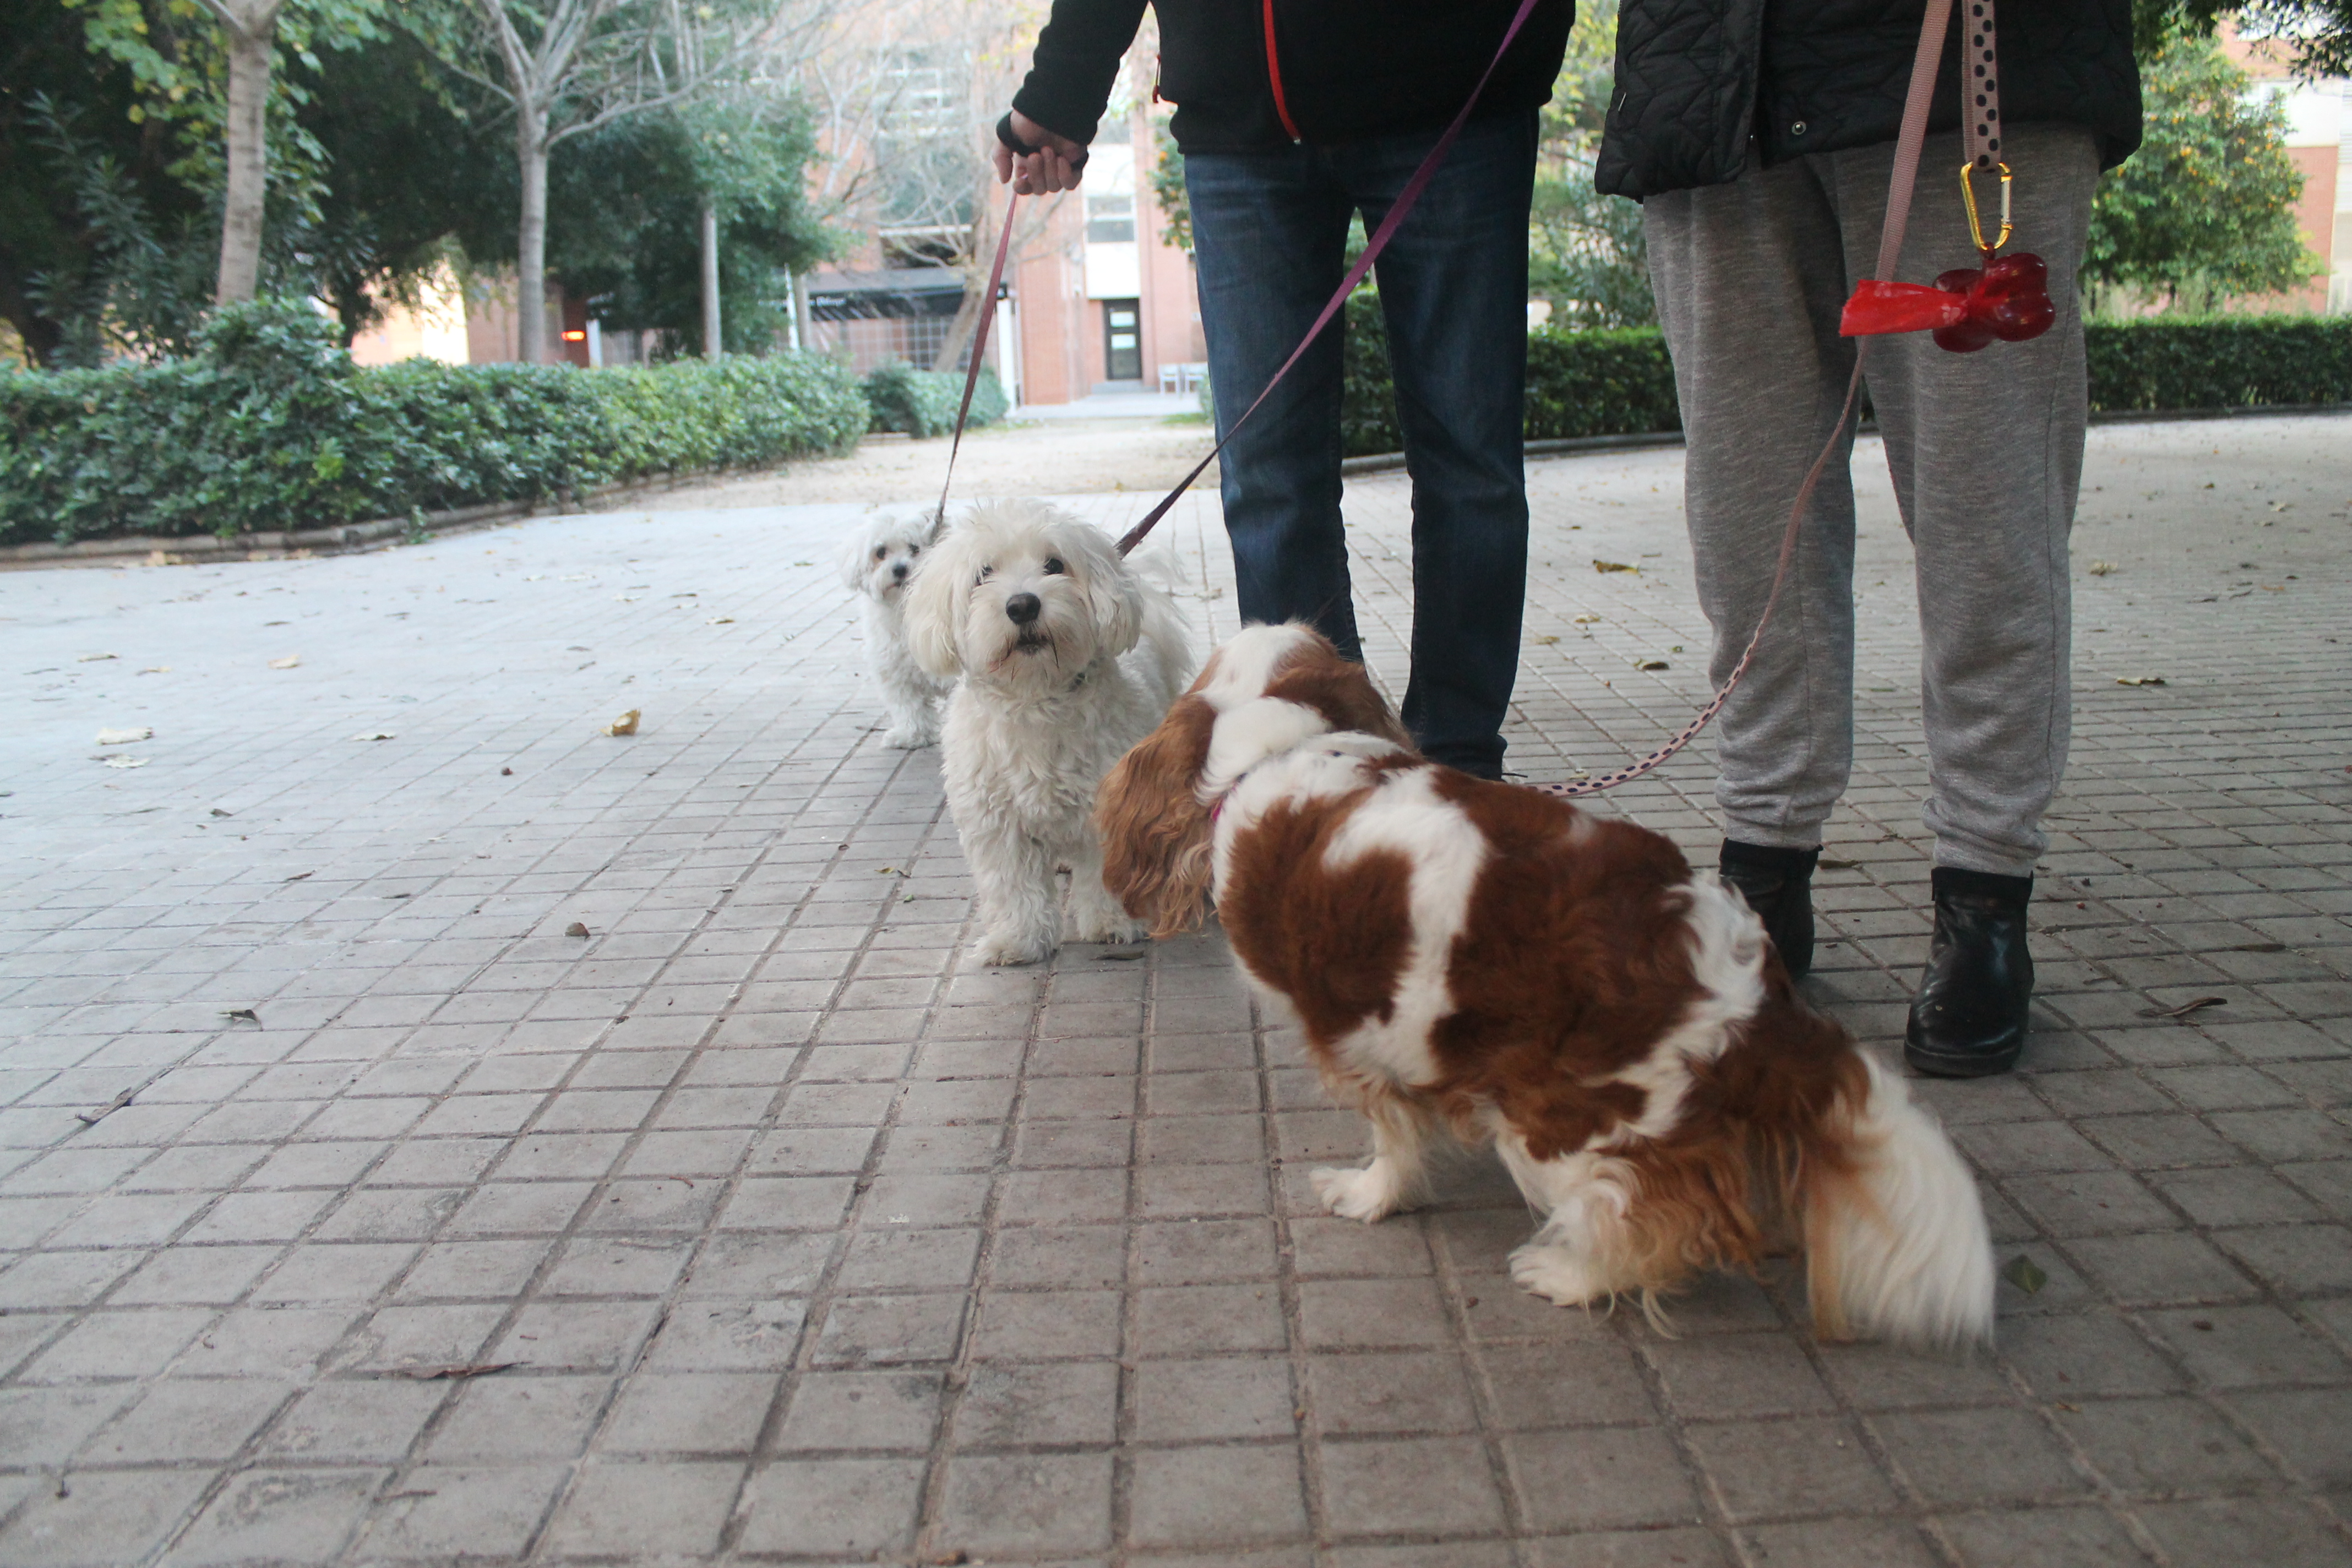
{"x":1214,"y":1498}
{"x":1036,"y":1504}
{"x":1602,"y":1478}
{"x":852,"y":1508}
{"x":1420,"y":1486}
{"x":644,"y":1509}
{"x":441,"y":1512}
{"x":264,"y":1515}
{"x":106,"y":1517}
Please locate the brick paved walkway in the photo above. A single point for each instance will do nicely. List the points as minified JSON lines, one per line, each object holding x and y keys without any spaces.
{"x":798,"y":1240}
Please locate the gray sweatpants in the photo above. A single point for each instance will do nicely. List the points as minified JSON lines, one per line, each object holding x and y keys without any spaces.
{"x":1986,"y":450}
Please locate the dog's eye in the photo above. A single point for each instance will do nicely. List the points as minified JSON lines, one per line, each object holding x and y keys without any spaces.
{"x":985,"y":573}
{"x":913,"y":550}
{"x":881,"y":553}
{"x":1053,"y":567}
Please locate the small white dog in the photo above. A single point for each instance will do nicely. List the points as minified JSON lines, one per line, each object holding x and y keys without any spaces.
{"x":1068,"y":657}
{"x":877,"y":563}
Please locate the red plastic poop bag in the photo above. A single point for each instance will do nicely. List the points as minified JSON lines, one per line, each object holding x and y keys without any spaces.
{"x":1967,"y":308}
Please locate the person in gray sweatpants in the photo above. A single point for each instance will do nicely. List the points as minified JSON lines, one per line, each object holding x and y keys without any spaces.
{"x":1751,"y":270}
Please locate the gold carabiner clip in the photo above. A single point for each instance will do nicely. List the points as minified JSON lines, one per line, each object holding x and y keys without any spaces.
{"x":1975,"y":230}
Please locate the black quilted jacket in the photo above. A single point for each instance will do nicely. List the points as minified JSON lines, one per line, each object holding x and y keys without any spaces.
{"x":1698,"y":79}
{"x":1246,"y":75}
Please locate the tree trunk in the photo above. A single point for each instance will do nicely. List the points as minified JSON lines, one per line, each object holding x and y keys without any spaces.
{"x":710,"y":345}
{"x":249,"y":51}
{"x":966,"y":322}
{"x":530,"y":243}
{"x":803,"y":324}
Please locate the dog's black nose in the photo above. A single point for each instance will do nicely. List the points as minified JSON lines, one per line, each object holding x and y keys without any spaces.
{"x":1021,"y":608}
{"x":898,"y":570}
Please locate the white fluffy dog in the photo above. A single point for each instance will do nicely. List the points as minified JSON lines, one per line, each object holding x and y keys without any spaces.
{"x":877,"y":563}
{"x":1067,"y":658}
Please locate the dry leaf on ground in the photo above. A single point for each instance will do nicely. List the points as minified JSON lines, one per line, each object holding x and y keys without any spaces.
{"x":289,"y":662}
{"x":1649,"y":664}
{"x":1588,"y":620}
{"x":1614,"y":566}
{"x":2139,"y":680}
{"x":576,"y":928}
{"x":92,"y":657}
{"x":2100,"y":568}
{"x":2186,"y":1008}
{"x":124,"y":737}
{"x":720,"y":621}
{"x":373,"y":735}
{"x":2025,"y":1274}
{"x":626,"y":724}
{"x":121,"y":761}
{"x":1546,"y":639}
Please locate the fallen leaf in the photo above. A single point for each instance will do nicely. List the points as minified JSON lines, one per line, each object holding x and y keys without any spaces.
{"x":626,"y":724}
{"x":2203,"y":1325}
{"x":1836,"y":865}
{"x":1588,"y":620}
{"x":124,"y":762}
{"x":720,"y":621}
{"x":2185,"y":1008}
{"x":1599,"y":565}
{"x":2139,"y":680}
{"x":506,"y":772}
{"x":435,"y":1373}
{"x":244,"y":1015}
{"x":1546,"y":641}
{"x":92,"y":657}
{"x":289,"y":662}
{"x":297,"y":876}
{"x":157,"y":669}
{"x":218,"y":812}
{"x":2257,"y":947}
{"x":373,"y":735}
{"x":124,"y":737}
{"x":1649,"y":664}
{"x":2062,"y":1405}
{"x":2100,"y":568}
{"x":2025,"y":1274}
{"x":575,"y":929}
{"x":626,"y":598}
{"x":1120,"y":955}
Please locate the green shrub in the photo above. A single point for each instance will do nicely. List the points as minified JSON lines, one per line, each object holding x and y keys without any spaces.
{"x":2228,"y":361}
{"x":269,"y":427}
{"x":923,"y":402}
{"x":1621,"y":382}
{"x":1579,"y":384}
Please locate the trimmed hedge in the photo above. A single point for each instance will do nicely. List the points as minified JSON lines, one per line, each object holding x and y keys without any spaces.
{"x":923,"y":402}
{"x":1623,"y":384}
{"x":271,"y":428}
{"x":2230,"y":362}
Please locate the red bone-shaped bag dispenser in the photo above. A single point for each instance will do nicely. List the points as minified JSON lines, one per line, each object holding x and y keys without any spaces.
{"x":1967,"y":308}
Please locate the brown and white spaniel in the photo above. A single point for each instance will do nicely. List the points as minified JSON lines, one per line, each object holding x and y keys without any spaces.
{"x":1488,"y":960}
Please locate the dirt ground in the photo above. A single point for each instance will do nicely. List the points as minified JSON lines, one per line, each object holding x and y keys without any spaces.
{"x":1056,"y":456}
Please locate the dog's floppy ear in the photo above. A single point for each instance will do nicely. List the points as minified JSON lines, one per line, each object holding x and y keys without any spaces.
{"x":1114,"y":594}
{"x":933,"y":604}
{"x":1315,"y":676}
{"x":856,"y":553}
{"x":1156,"y":834}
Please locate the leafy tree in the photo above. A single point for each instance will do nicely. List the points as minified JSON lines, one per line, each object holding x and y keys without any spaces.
{"x":2205,"y":209}
{"x":2317,"y":33}
{"x":90,"y":209}
{"x":1586,"y":252}
{"x":625,"y":212}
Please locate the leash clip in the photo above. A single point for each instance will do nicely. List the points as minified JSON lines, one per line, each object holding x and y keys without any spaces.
{"x":1968,"y":195}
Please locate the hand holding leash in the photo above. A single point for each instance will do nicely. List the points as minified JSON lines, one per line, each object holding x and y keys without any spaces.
{"x":1034,"y":159}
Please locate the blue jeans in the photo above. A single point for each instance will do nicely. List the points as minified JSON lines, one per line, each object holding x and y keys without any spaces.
{"x":1270,"y":231}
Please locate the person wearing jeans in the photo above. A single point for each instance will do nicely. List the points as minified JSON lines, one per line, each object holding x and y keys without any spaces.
{"x":1760,"y":139}
{"x":1295,"y":117}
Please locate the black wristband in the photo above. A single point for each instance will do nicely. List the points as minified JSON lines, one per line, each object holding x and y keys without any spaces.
{"x":1004,"y":133}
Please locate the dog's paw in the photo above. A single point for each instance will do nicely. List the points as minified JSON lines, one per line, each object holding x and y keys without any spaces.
{"x":999,"y":948}
{"x":1106,"y":925}
{"x":1560,"y":1275}
{"x":1365,"y":1194}
{"x":910,"y":737}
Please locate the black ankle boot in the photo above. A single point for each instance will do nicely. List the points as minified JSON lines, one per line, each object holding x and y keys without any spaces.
{"x":1968,"y":1019}
{"x":1779,"y":886}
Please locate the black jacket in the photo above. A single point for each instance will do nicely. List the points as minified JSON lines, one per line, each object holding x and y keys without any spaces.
{"x":1252,"y":74}
{"x":1697,"y":79}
